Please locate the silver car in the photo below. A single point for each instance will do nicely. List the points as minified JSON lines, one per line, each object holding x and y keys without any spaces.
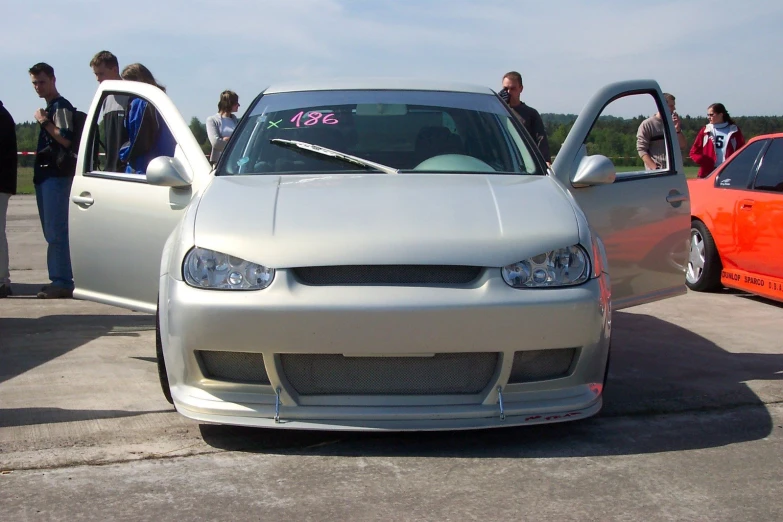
{"x":378,"y":255}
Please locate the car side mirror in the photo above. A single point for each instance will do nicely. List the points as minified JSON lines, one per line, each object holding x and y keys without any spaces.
{"x":167,"y":172}
{"x":594,"y":170}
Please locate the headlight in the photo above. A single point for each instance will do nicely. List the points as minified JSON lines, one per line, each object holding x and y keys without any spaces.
{"x":562,"y":267}
{"x":209,"y":269}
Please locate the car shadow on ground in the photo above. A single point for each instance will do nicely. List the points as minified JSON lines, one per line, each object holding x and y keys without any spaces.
{"x":26,"y":343}
{"x":12,"y":417}
{"x":750,"y":297}
{"x":763,"y":300}
{"x":669,"y":390}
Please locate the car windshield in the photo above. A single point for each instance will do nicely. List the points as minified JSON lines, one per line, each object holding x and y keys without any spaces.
{"x":378,"y":131}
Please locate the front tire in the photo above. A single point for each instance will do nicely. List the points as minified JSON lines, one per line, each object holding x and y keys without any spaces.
{"x":702,"y":273}
{"x":162,"y":375}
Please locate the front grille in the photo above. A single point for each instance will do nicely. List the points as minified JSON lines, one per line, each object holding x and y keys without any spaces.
{"x":541,"y":365}
{"x":441,"y":374}
{"x":387,"y":275}
{"x":234,"y":366}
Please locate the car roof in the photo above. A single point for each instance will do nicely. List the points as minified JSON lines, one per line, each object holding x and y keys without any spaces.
{"x":401,"y":84}
{"x":766,"y":136}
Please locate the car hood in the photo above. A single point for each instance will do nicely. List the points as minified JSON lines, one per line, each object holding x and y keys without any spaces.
{"x":322,"y":220}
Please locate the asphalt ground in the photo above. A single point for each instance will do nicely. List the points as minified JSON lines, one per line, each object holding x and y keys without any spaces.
{"x":691,"y":428}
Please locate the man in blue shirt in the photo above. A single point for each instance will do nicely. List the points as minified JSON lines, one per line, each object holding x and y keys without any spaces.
{"x":52,"y":176}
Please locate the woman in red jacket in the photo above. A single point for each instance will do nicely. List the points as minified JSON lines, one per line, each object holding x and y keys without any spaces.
{"x":716,"y":141}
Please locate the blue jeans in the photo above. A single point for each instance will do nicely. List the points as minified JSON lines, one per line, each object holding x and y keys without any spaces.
{"x":5,"y":276}
{"x":53,"y":197}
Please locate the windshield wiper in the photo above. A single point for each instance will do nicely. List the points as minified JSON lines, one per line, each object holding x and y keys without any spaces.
{"x":334,"y":154}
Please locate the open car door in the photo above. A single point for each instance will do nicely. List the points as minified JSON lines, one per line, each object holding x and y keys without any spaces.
{"x":124,"y":203}
{"x":642,"y":217}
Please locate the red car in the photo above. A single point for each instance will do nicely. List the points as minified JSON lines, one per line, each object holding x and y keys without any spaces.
{"x":737,"y":222}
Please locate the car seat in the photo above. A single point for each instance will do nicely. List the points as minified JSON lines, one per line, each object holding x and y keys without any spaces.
{"x":435,"y":141}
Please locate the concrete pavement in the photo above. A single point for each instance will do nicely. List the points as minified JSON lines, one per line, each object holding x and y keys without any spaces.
{"x":691,"y":428}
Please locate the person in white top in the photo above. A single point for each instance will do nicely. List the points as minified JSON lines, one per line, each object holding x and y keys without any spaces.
{"x":220,"y":126}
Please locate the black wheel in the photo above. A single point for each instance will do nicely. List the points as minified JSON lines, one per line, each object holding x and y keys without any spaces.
{"x":703,"y":271}
{"x":162,"y":375}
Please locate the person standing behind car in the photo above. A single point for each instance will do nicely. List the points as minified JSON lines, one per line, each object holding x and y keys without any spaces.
{"x":220,"y":126}
{"x":106,"y":67}
{"x":148,"y":135}
{"x":52,"y":177}
{"x":531,"y":119}
{"x":8,"y":165}
{"x":650,"y":137}
{"x":716,"y":141}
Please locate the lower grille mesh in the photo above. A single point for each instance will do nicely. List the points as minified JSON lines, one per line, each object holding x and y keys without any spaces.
{"x":442,"y":374}
{"x":234,"y":366}
{"x":387,"y":275}
{"x":541,"y":365}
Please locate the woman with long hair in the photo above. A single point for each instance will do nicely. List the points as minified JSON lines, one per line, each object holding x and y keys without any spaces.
{"x":220,"y":126}
{"x":137,"y":72}
{"x":716,"y":141}
{"x":148,"y":134}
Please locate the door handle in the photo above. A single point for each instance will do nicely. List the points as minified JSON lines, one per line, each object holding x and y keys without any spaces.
{"x":675,"y":198}
{"x":746,"y":204}
{"x":83,"y":200}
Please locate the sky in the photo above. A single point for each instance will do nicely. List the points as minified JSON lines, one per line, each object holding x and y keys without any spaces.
{"x":699,"y":50}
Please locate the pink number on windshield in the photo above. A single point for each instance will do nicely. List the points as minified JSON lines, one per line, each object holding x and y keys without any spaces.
{"x":297,"y":118}
{"x":313,"y":118}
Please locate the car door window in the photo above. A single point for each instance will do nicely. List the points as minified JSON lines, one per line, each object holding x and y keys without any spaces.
{"x":770,"y":174}
{"x":127,"y":134}
{"x":628,"y":128}
{"x":737,"y":173}
{"x":109,"y":134}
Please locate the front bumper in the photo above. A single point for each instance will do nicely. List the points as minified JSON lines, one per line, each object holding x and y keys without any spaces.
{"x":386,"y":321}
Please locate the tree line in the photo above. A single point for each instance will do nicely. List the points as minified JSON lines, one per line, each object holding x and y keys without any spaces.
{"x":616,"y":137}
{"x":613,"y":137}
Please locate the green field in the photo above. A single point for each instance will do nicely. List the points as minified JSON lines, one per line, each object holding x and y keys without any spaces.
{"x":25,"y":178}
{"x":24,"y":181}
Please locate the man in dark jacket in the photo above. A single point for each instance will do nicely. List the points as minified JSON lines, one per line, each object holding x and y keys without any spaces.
{"x":7,"y":189}
{"x":106,"y":67}
{"x":530,"y":118}
{"x":53,"y":176}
